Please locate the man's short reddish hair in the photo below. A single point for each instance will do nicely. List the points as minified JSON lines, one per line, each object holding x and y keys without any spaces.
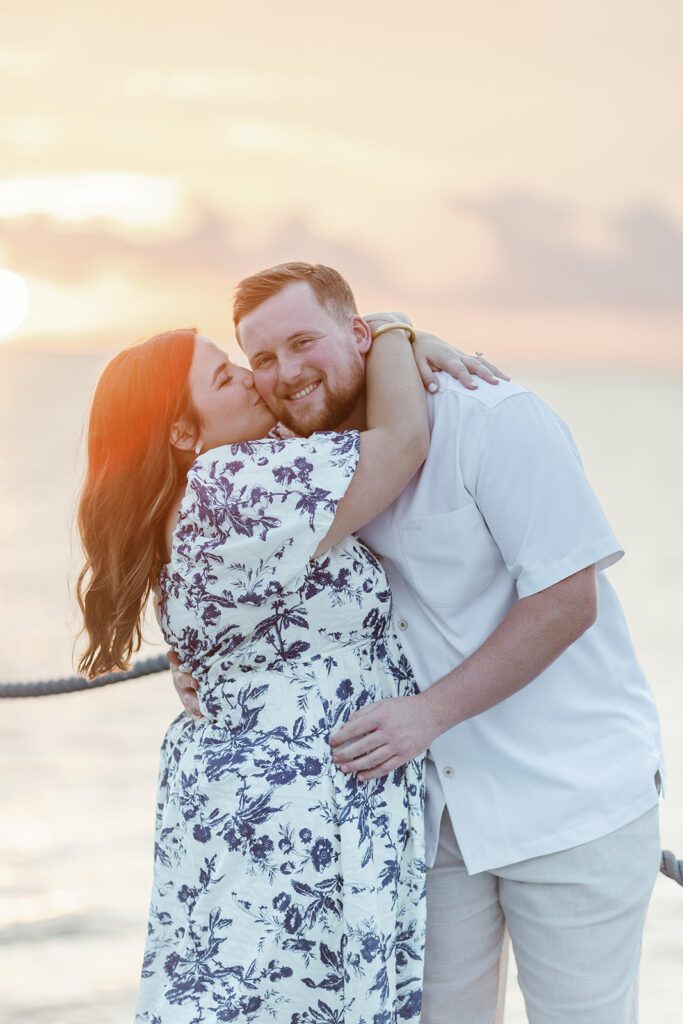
{"x":330,"y":288}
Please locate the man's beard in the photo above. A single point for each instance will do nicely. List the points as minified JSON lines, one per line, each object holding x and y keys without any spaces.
{"x":337,"y":408}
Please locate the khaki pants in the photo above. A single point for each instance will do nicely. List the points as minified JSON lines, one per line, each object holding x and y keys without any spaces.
{"x":575,"y":920}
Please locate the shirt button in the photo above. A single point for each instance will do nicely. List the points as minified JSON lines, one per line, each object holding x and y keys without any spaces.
{"x":448,"y":772}
{"x":402,"y":624}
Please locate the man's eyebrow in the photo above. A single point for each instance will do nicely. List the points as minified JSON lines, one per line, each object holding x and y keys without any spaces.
{"x":303,"y":334}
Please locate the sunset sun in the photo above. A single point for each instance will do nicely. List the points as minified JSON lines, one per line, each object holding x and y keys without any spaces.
{"x":13,"y":302}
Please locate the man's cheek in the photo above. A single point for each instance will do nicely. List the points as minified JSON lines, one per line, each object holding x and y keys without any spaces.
{"x":264,"y":386}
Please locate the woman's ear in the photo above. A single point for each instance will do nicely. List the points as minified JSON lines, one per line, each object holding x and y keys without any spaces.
{"x":183,"y":436}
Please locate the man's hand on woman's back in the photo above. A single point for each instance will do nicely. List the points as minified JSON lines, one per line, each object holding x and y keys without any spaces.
{"x":186,"y":686}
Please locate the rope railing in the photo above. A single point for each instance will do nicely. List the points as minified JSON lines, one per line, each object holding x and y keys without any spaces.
{"x":74,"y":684}
{"x":669,"y":865}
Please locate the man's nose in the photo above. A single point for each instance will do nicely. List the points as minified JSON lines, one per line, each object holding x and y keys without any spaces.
{"x":289,"y":367}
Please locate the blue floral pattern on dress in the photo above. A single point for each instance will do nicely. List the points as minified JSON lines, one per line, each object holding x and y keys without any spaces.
{"x":284,"y":890}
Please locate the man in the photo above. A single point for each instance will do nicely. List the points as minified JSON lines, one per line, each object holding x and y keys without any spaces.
{"x":544,"y":759}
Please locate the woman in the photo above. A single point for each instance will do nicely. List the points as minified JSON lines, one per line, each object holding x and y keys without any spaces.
{"x":283,"y":889}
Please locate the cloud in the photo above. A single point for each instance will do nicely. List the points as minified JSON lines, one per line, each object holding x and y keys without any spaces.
{"x":196,"y":84}
{"x":27,"y":131}
{"x":19,"y":64}
{"x":92,"y":286}
{"x":43,"y":247}
{"x":543,"y":262}
{"x":137,"y":200}
{"x":294,"y":240}
{"x":542,"y":259}
{"x":209,"y":251}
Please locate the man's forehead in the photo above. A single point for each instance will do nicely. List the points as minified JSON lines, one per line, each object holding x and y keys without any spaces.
{"x":294,"y":312}
{"x":294,"y":297}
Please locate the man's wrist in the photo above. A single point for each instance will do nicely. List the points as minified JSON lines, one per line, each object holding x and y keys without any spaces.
{"x":431,"y":711}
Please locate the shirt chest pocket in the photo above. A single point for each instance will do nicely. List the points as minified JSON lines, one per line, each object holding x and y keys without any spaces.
{"x":450,"y":558}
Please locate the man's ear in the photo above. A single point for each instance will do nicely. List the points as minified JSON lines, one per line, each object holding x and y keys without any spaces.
{"x":362,"y":334}
{"x":183,"y":436}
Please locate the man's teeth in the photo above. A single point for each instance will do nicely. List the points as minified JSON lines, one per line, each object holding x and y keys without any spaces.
{"x":304,"y":391}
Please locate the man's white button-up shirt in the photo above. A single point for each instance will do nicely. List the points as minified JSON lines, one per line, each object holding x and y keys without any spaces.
{"x":500,"y":510}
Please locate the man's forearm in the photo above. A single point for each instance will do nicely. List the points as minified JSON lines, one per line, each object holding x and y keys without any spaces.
{"x":536,"y":630}
{"x":533,"y":634}
{"x":376,"y":319}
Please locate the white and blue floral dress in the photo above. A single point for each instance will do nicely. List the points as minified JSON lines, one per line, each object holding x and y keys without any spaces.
{"x":284,"y":890}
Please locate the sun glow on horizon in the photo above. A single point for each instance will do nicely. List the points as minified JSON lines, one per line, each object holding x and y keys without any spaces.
{"x":13,"y":302}
{"x":134,"y":200}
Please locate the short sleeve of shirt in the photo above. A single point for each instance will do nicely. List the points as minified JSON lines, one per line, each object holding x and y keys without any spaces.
{"x":255,"y":512}
{"x":527,"y":479}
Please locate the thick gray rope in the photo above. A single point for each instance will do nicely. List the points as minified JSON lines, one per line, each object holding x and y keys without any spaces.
{"x":72,"y":684}
{"x":671,"y":867}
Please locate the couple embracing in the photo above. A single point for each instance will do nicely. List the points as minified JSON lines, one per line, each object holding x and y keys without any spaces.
{"x":392,"y":574}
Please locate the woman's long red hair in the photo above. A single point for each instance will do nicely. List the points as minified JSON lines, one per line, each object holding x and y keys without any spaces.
{"x":133,"y":473}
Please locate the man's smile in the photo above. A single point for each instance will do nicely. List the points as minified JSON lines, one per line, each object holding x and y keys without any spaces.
{"x":294,"y":396}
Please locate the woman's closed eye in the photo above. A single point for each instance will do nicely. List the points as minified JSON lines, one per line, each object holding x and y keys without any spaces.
{"x":225,"y":381}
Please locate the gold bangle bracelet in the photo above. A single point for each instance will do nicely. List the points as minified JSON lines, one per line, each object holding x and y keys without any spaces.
{"x":394,"y":327}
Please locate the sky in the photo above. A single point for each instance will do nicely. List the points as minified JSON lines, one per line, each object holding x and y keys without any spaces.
{"x":509,"y":175}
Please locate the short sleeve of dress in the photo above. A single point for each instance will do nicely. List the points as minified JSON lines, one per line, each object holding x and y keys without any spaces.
{"x":257,"y":511}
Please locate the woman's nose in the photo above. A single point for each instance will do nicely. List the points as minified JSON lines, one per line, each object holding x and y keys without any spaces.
{"x":248,"y":379}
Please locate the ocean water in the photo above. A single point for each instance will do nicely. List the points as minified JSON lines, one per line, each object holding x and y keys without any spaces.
{"x":79,"y":771}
